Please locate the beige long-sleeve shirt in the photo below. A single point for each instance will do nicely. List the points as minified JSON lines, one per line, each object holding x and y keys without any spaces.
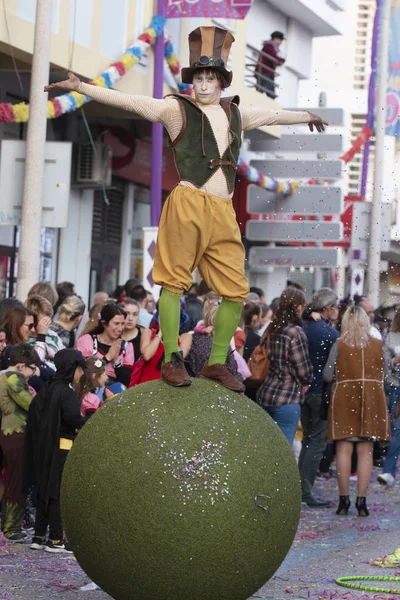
{"x":168,"y":112}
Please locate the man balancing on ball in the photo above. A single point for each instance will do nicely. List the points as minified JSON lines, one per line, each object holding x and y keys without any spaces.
{"x":198,"y":226}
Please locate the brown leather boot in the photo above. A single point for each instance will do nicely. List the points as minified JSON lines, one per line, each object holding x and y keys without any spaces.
{"x":174,"y":372}
{"x":222,"y":375}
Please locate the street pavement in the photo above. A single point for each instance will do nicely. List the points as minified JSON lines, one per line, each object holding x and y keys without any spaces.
{"x":326,"y":547}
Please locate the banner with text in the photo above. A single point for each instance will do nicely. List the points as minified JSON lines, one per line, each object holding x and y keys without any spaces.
{"x":393,"y":89}
{"x":223,"y":9}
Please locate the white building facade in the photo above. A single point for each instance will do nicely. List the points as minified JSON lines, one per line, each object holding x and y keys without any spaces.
{"x":341,"y":69}
{"x":303,"y":22}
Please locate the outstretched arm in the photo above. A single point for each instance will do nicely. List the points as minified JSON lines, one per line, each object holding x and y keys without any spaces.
{"x":257,"y":117}
{"x":151,"y":109}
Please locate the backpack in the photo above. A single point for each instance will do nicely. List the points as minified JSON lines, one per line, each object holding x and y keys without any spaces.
{"x":259,"y":362}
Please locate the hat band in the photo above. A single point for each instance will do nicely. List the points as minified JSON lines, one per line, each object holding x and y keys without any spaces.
{"x":209,"y":61}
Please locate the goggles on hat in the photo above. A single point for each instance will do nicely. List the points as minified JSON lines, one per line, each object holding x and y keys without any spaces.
{"x":209,"y":61}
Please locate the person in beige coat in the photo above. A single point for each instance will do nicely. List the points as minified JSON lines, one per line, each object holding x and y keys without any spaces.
{"x":357,"y":410}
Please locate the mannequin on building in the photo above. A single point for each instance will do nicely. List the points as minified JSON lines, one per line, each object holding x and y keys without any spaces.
{"x":198,"y":226}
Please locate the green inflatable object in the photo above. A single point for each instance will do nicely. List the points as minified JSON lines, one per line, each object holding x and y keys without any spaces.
{"x":180,"y":494}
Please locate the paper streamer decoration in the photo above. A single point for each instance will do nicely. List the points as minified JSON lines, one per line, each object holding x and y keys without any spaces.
{"x":269,"y":183}
{"x":19,"y":113}
{"x":175,"y":67}
{"x":60,"y":105}
{"x":358,"y":143}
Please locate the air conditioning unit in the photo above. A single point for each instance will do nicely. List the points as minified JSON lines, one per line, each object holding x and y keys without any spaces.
{"x":93,"y":165}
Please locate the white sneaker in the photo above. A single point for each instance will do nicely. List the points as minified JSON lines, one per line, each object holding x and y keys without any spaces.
{"x":58,"y":547}
{"x":386,"y":479}
{"x":38,"y":543}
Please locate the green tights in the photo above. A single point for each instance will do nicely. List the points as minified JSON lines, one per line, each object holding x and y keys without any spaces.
{"x":226,"y":321}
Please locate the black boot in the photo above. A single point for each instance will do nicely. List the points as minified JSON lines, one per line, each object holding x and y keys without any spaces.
{"x":361,"y":506}
{"x":344,"y":505}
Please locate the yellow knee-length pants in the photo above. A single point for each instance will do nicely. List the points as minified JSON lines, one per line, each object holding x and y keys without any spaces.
{"x":200,"y":230}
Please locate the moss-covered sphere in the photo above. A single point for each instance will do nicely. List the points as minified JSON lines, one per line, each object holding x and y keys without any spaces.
{"x":180,"y":494}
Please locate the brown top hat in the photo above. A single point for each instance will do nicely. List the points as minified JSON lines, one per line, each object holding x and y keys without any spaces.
{"x":209,"y":49}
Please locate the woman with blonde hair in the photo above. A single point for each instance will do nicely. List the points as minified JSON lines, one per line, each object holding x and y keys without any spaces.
{"x":70,"y":314}
{"x":357,"y":410}
{"x":46,"y":290}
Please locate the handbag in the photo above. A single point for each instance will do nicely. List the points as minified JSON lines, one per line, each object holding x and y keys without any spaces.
{"x":137,"y":372}
{"x":259,"y":362}
{"x":147,"y":370}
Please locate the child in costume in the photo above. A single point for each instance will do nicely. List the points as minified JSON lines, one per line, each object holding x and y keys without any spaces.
{"x":198,"y":226}
{"x":15,"y":399}
{"x":94,"y":377}
{"x":53,"y":421}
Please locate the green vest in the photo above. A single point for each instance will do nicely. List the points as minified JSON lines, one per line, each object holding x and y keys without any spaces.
{"x":196,"y":151}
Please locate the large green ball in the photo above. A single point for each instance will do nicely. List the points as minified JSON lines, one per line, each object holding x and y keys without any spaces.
{"x":177,"y":494}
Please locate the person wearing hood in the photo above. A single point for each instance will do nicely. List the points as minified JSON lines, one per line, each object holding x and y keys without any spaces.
{"x":53,"y":420}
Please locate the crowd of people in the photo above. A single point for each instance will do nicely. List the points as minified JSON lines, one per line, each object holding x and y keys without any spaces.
{"x":331,"y":381}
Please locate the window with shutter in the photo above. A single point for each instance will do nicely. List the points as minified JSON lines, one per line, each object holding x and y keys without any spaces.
{"x":364,"y":29}
{"x":107,"y":218}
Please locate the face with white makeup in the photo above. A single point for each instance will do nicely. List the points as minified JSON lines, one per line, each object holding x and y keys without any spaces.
{"x":207,"y":87}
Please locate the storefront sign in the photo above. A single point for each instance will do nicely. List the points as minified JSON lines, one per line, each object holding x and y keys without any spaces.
{"x":308,"y":200}
{"x":298,"y":169}
{"x":260,"y":258}
{"x":299,"y":143}
{"x":297,"y":231}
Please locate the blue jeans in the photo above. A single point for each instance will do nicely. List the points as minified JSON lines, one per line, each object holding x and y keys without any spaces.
{"x":286,"y":416}
{"x":393,"y":453}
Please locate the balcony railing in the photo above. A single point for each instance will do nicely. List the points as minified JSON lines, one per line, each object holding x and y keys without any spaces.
{"x":264,"y":82}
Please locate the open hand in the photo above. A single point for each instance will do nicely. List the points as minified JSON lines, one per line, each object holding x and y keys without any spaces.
{"x":71,"y":84}
{"x":317,"y":122}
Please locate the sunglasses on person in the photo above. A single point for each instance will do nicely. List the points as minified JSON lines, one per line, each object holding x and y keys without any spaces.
{"x":209,"y":61}
{"x":33,"y":369}
{"x":30,"y":326}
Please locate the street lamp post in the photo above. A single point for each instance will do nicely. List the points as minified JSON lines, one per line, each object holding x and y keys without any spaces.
{"x":157,"y":128}
{"x":375,"y":239}
{"x":29,"y":247}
